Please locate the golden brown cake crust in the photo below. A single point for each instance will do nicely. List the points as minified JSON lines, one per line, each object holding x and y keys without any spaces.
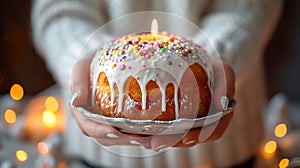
{"x":200,"y":98}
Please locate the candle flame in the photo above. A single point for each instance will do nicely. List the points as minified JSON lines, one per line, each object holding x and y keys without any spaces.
{"x":154,"y":27}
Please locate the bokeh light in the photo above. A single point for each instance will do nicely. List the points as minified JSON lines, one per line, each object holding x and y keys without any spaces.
{"x":49,"y":118}
{"x":62,"y":165}
{"x":10,"y":116}
{"x":280,"y":130}
{"x":21,"y":155}
{"x":270,"y":147}
{"x":43,"y":148}
{"x":284,"y":163}
{"x":51,"y":103}
{"x":16,"y":92}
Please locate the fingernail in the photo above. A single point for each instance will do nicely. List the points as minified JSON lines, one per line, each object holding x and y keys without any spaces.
{"x":111,"y":135}
{"x":74,"y":98}
{"x":133,"y":142}
{"x":189,"y":142}
{"x":224,"y":102}
{"x":161,"y":148}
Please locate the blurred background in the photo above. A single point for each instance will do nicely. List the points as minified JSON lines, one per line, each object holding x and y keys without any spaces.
{"x":21,"y":65}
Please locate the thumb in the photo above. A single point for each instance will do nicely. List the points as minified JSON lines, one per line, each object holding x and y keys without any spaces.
{"x":80,"y":80}
{"x":225,"y":83}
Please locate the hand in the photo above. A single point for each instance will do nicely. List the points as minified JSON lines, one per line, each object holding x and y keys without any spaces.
{"x":224,"y":76}
{"x":108,"y":135}
{"x":104,"y":134}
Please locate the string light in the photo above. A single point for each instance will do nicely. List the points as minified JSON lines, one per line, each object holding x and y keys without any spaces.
{"x":16,"y":92}
{"x":49,"y":118}
{"x":284,"y":163}
{"x":62,"y":165}
{"x":21,"y":155}
{"x":43,"y":148}
{"x":280,"y":130}
{"x":51,"y":103}
{"x":270,"y":147}
{"x":10,"y":116}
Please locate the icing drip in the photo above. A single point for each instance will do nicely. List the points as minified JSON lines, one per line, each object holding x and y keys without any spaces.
{"x":162,"y":78}
{"x":163,"y":59}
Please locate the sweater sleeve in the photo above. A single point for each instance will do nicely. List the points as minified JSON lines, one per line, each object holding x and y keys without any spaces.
{"x":238,"y":28}
{"x":61,"y":28}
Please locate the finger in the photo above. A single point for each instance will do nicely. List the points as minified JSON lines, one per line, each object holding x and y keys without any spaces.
{"x":80,"y":118}
{"x":225,"y":82}
{"x":200,"y":135}
{"x":106,"y":134}
{"x":80,"y":80}
{"x":123,"y":139}
{"x":162,"y":142}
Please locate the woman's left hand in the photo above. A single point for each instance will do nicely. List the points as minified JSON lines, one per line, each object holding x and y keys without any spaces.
{"x":224,"y":76}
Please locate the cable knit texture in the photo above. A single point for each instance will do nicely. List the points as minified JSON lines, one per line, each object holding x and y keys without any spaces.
{"x":239,"y":29}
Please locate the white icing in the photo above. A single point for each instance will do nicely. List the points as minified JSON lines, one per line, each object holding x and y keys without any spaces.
{"x":161,"y":69}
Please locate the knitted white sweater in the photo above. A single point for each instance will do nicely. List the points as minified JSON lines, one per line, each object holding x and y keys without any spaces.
{"x":239,"y":29}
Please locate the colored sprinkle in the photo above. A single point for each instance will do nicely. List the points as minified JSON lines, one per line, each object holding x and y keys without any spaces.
{"x":133,"y":48}
{"x":122,"y":67}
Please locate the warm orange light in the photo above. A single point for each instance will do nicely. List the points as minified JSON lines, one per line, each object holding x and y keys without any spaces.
{"x":280,"y":130}
{"x":43,"y":148}
{"x":270,"y":147}
{"x":51,"y":103}
{"x":16,"y":92}
{"x":62,"y":165}
{"x":21,"y":155}
{"x":154,"y":27}
{"x":284,"y":163}
{"x":10,"y":116}
{"x":49,"y":118}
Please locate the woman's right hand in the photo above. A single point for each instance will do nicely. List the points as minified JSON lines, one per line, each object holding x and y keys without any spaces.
{"x":104,"y":134}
